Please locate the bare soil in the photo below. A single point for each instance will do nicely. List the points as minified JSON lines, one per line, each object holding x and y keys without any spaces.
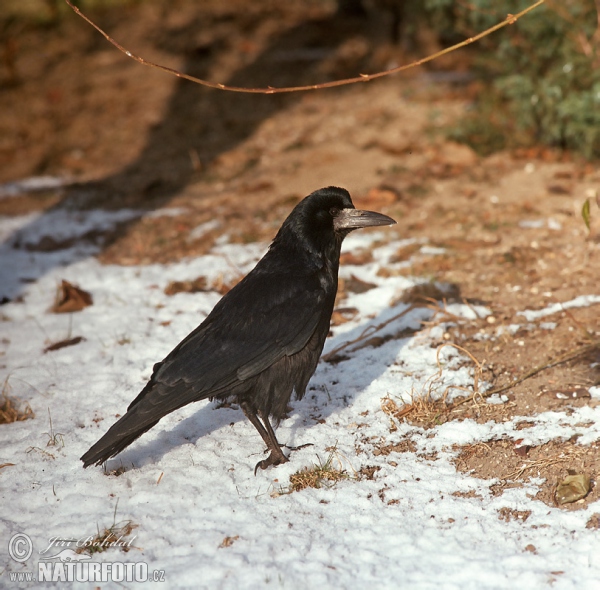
{"x":129,"y":136}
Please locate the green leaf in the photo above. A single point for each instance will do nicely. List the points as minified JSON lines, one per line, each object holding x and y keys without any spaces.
{"x":585,"y":213}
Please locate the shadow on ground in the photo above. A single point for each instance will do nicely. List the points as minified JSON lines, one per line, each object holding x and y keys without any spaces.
{"x":199,"y":124}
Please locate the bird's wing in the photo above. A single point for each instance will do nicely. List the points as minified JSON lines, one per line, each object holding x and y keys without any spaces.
{"x":258,"y":322}
{"x":263,"y":318}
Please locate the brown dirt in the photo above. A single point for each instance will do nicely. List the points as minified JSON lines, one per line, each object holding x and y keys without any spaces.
{"x":129,"y":136}
{"x":551,"y":462}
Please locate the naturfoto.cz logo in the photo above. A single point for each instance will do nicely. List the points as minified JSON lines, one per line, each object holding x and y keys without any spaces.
{"x":70,"y":566}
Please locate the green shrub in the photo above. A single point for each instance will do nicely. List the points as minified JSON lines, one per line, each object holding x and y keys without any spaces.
{"x":541,"y":75}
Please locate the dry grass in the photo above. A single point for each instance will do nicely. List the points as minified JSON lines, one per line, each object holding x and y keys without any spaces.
{"x":429,"y":407}
{"x":55,"y":439}
{"x":534,"y":465}
{"x":42,"y":452}
{"x":9,"y":410}
{"x":319,"y":475}
{"x":567,"y":455}
{"x":391,"y":408}
{"x":423,"y":410}
{"x":316,"y":476}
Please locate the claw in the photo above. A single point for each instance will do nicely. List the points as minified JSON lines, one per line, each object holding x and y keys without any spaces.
{"x":271,"y":460}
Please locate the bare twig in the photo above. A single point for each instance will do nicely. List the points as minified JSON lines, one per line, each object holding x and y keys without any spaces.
{"x":479,"y":367}
{"x":368,"y":331}
{"x":509,"y":20}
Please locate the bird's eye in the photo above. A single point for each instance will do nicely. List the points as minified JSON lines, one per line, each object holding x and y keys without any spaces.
{"x":334,"y":212}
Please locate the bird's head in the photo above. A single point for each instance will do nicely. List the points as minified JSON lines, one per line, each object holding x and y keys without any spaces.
{"x":330,"y":211}
{"x":322,"y":220}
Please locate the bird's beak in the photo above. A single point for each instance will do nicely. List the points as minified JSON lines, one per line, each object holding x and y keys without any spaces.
{"x":355,"y":218}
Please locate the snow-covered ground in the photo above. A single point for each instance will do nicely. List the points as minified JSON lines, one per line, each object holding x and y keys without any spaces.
{"x":190,"y":481}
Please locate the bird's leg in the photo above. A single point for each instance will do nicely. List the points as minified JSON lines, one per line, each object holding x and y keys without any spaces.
{"x":276,"y":456}
{"x":273,"y":438}
{"x":271,"y":433}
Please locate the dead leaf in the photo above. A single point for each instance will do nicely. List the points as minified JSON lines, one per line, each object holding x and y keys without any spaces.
{"x":380,"y":197}
{"x":558,"y":189}
{"x":424,"y":293}
{"x":222,"y":287}
{"x":573,"y":488}
{"x":357,"y":258}
{"x":64,"y":343}
{"x":195,"y":286}
{"x":6,"y":465}
{"x":228,"y":541}
{"x":356,"y":285}
{"x":457,"y":154}
{"x":593,"y":521}
{"x":368,"y":471}
{"x":522,"y":450}
{"x":531,"y":548}
{"x":563,"y":174}
{"x":342,"y":315}
{"x":70,"y":298}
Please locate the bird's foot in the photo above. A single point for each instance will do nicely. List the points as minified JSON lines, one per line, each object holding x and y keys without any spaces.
{"x":273,"y":459}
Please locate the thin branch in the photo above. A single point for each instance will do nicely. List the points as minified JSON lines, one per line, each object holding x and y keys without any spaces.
{"x":478,"y":372}
{"x":509,"y":20}
{"x":368,"y":331}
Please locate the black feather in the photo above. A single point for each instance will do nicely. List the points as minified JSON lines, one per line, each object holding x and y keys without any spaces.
{"x":263,"y":339}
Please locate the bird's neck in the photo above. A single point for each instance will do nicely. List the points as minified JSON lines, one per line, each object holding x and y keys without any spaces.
{"x":305,"y":256}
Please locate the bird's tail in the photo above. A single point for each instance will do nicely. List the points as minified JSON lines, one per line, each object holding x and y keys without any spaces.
{"x":120,"y":435}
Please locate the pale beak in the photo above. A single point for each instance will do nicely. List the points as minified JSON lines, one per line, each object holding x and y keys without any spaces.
{"x":350,"y":219}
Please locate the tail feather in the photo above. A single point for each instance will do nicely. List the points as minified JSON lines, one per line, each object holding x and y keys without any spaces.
{"x":119,"y":436}
{"x":154,"y":402}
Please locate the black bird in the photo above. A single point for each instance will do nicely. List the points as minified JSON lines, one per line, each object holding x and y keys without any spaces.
{"x":262,"y":341}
